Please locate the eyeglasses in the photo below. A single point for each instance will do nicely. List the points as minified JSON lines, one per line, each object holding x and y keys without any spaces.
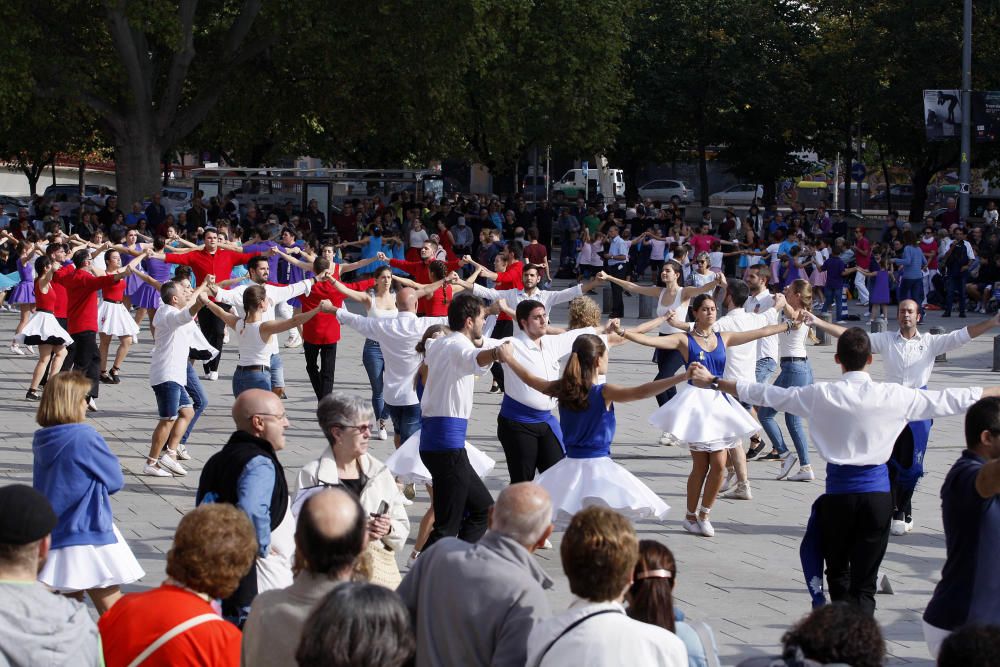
{"x":279,"y":417}
{"x":361,"y":428}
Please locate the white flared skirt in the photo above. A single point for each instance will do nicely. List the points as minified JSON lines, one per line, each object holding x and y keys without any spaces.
{"x":43,"y":329}
{"x":114,"y":319}
{"x":85,"y":566}
{"x":577,"y":483}
{"x":406,"y":466}
{"x":704,"y":420}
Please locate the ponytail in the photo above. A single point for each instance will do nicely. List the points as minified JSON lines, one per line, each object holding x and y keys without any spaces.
{"x":579,"y":375}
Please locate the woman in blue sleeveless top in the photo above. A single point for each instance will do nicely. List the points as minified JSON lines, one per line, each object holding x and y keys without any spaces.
{"x":588,"y":476}
{"x":707,"y":422}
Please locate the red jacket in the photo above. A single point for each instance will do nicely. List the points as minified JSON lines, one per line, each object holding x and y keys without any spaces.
{"x":421,"y":274}
{"x":203,"y":263}
{"x":81,"y":297}
{"x":512,"y":278}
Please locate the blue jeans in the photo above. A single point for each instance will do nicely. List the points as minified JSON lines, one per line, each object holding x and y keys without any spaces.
{"x":763,"y":371}
{"x":955,"y":282}
{"x":277,"y":371}
{"x":371,"y":357}
{"x":243,"y":380}
{"x":405,"y":420}
{"x":170,"y":399}
{"x":793,"y":374}
{"x":199,"y":399}
{"x":835,"y":295}
{"x":912,"y":288}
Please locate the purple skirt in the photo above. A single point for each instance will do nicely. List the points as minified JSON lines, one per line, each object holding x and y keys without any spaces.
{"x":146,"y":296}
{"x":24,"y":292}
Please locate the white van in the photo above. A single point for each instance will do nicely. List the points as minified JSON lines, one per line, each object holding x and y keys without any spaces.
{"x":607,"y":182}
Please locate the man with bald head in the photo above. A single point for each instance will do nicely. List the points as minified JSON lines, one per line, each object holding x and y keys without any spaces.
{"x":909,"y":360}
{"x":491,"y":625}
{"x":246,"y":473}
{"x":397,"y":337}
{"x":330,"y":535}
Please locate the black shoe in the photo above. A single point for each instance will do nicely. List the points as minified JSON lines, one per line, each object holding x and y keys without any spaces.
{"x":113,"y":374}
{"x":772,"y":455}
{"x":755,"y":448}
{"x":105,"y":378}
{"x":33,"y":395}
{"x":495,"y":389}
{"x":961,"y":314}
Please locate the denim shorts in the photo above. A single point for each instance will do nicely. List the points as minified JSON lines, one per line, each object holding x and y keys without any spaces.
{"x":170,"y":398}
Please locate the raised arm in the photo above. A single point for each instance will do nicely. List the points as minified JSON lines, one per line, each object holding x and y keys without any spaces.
{"x":483,"y":271}
{"x":229,"y":318}
{"x":671,"y":342}
{"x":647,"y":290}
{"x":732,"y":338}
{"x":271,"y":327}
{"x":460,"y":285}
{"x":380,"y":257}
{"x":688,"y":292}
{"x":834,"y":330}
{"x":353,"y":295}
{"x":620,"y":394}
{"x":305,"y":266}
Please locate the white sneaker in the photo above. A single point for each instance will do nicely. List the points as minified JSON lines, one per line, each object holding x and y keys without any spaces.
{"x":897,"y":527}
{"x":91,"y":404}
{"x":152,"y":470}
{"x":135,"y":339}
{"x":294,"y":341}
{"x":668,"y":439}
{"x":382,"y":433}
{"x":168,"y":462}
{"x":803,"y":475}
{"x":909,"y":524}
{"x":30,"y":349}
{"x":730,"y":478}
{"x":884,"y":585}
{"x":788,"y":461}
{"x":547,"y":545}
{"x":182,"y":453}
{"x":740,"y":492}
{"x":212,"y":376}
{"x":707,"y":529}
{"x":691,"y":526}
{"x":16,"y":349}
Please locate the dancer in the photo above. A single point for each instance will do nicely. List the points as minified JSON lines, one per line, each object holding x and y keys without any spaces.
{"x":530,"y":278}
{"x":23,"y":295}
{"x":707,"y":424}
{"x":588,"y":476}
{"x":146,"y":297}
{"x":909,"y":357}
{"x":113,"y":318}
{"x":76,"y":470}
{"x":852,"y":423}
{"x":43,"y":329}
{"x":671,"y":297}
{"x":420,"y":270}
{"x":255,"y":336}
{"x":172,"y":377}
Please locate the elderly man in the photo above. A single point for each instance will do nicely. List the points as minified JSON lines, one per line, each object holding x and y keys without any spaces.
{"x":331,"y":533}
{"x":491,"y":626}
{"x":37,"y":627}
{"x":246,"y":473}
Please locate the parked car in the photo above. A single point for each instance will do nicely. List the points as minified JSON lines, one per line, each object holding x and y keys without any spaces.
{"x":667,"y":190}
{"x":742,"y":194}
{"x":902,"y":192}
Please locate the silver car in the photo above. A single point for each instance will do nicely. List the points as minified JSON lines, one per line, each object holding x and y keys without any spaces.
{"x":667,"y":190}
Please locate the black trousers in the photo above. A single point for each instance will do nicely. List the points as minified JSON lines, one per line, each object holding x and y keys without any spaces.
{"x":902,"y":453}
{"x":617,"y":302}
{"x":70,"y":350}
{"x":668,"y":362}
{"x":503,"y":329}
{"x":528,"y":447}
{"x":214,"y":330}
{"x":87,"y":358}
{"x":321,"y":374}
{"x":461,"y":500}
{"x":855,"y":533}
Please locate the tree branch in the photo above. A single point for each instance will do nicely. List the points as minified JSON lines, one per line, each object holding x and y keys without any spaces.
{"x":178,"y":66}
{"x":108,"y":113}
{"x":125,"y":46}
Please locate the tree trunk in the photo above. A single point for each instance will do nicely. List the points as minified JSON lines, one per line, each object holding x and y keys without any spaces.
{"x":848,"y":165}
{"x":137,"y":161}
{"x":703,"y":170}
{"x":885,"y":176}
{"x":921,"y":176}
{"x":81,"y":177}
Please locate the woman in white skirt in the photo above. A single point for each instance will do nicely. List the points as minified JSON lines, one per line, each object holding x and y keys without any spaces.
{"x":114,"y":319}
{"x":43,"y":329}
{"x":588,"y":476}
{"x":75,"y":469}
{"x":706,"y":422}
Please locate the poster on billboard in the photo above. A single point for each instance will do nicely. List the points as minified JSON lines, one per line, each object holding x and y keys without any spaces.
{"x":985,"y":115}
{"x":942,"y":114}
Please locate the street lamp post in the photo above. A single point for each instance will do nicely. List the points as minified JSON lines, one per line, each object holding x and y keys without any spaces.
{"x":964,"y":166}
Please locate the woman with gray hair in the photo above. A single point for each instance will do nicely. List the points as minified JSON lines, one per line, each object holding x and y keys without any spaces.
{"x":346,"y":422}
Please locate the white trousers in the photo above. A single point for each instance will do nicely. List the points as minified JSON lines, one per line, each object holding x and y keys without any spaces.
{"x":859,"y":283}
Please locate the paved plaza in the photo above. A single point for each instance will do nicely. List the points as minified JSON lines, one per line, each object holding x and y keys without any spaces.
{"x":746,"y":582}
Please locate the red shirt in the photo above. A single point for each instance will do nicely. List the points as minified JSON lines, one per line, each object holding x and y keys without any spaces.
{"x":203,"y":263}
{"x":925,"y":248}
{"x":81,"y":298}
{"x":421,"y":274}
{"x":437,"y":303}
{"x":512,"y":278}
{"x":46,"y":301}
{"x":139,"y":619}
{"x":324,"y":328}
{"x":702,"y":243}
{"x":115,"y":292}
{"x":536,"y":253}
{"x":863,"y":253}
{"x":62,"y":301}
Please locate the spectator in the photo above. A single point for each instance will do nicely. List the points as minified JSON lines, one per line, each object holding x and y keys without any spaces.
{"x":970,"y":507}
{"x":330,"y":536}
{"x":357,"y":624}
{"x":137,"y":214}
{"x":346,"y":422}
{"x":76,"y":470}
{"x":156,"y":214}
{"x":972,"y":646}
{"x":651,"y":600}
{"x":36,"y":626}
{"x":490,"y":627}
{"x":246,"y":473}
{"x":214,"y":546}
{"x":599,"y":552}
{"x":569,"y":228}
{"x":834,"y":633}
{"x":107,"y":215}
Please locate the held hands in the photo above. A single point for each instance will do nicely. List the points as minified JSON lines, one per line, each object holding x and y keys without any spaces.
{"x":699,"y":375}
{"x":613,"y":326}
{"x":673,"y":318}
{"x":720,"y":278}
{"x":381,"y":257}
{"x":602,"y":276}
{"x":326,"y":306}
{"x":780,"y":301}
{"x":452,"y":278}
{"x":505,"y":352}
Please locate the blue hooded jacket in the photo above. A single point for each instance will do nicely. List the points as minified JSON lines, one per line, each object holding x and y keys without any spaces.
{"x":76,"y":470}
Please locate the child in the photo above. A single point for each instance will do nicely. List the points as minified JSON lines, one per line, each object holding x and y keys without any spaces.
{"x":879,"y":295}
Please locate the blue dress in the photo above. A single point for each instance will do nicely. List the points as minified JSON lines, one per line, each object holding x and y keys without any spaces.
{"x":588,"y":476}
{"x":24,"y":292}
{"x":880,"y":288}
{"x":705,"y":420}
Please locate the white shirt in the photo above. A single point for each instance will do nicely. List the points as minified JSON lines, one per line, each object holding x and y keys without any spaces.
{"x":452,"y":370}
{"x":547,"y":298}
{"x":792,"y":343}
{"x":275,"y":295}
{"x":254,"y":350}
{"x":542,"y":357}
{"x":397,"y":337}
{"x":741,"y":360}
{"x":607,"y":639}
{"x":168,"y":362}
{"x":767,"y":346}
{"x":910,"y":362}
{"x":855,"y":421}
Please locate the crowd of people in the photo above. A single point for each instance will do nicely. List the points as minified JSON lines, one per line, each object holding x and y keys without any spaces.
{"x":264,"y":572}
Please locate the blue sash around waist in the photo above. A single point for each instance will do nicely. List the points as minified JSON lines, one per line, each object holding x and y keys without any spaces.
{"x":908,"y":473}
{"x":519,"y":412}
{"x":840,"y":479}
{"x":442,"y":433}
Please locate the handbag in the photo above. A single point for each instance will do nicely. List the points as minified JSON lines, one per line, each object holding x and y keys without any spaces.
{"x":381,"y":566}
